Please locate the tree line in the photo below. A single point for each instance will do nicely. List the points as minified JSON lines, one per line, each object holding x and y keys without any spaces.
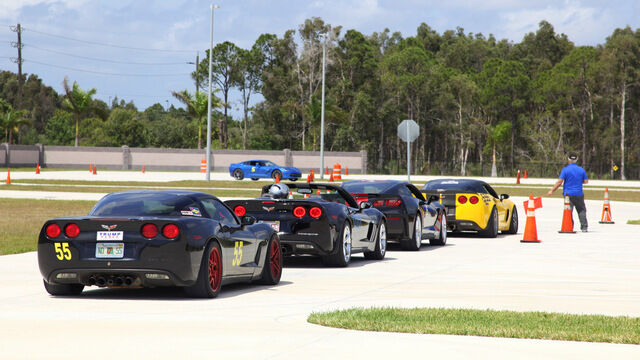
{"x":479,"y":101}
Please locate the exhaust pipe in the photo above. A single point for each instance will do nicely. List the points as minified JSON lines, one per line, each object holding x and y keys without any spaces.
{"x":119,"y":281}
{"x":101,"y":281}
{"x":128,"y":280}
{"x":110,"y":281}
{"x":92,"y":280}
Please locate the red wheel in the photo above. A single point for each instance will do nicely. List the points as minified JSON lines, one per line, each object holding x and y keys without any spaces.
{"x":272,"y":270}
{"x":215,"y":269}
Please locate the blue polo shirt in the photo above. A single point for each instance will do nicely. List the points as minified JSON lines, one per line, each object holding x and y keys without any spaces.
{"x":573,"y":176}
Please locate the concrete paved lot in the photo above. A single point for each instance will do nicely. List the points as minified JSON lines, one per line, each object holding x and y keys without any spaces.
{"x":596,"y":272}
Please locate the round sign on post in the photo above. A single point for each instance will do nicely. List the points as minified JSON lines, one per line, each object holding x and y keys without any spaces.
{"x":408,"y":131}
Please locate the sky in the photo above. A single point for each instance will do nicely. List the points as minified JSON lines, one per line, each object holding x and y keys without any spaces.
{"x":140,"y":50}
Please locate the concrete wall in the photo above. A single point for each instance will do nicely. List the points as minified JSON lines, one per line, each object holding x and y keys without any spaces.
{"x":126,"y":158}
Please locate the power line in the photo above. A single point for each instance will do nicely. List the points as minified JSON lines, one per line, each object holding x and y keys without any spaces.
{"x":103,"y":73}
{"x":107,"y":45}
{"x":102,"y":60}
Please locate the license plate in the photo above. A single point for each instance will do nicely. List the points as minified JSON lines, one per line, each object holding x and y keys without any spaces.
{"x":274,"y":224}
{"x":109,"y":250}
{"x":109,"y":235}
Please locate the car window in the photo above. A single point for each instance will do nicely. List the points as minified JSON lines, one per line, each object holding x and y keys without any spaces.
{"x":402,"y":190}
{"x":145,"y":204}
{"x":415,"y":192}
{"x":490,"y":190}
{"x":269,"y":163}
{"x":217,"y":211}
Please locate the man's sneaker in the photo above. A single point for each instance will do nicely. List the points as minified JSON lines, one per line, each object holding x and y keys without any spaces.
{"x":584,"y":230}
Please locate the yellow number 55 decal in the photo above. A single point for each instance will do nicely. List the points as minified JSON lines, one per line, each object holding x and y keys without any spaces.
{"x":62,"y":251}
{"x":237,"y":254}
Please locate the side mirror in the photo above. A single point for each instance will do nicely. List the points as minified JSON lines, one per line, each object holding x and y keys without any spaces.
{"x":504,"y":196}
{"x":365,"y":205}
{"x":247,"y":220}
{"x":433,"y":198}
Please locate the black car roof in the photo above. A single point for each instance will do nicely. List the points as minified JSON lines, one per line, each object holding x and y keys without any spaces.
{"x":462,"y":184}
{"x":196,"y":194}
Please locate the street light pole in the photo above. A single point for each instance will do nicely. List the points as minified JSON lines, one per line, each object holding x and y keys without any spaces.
{"x":208,"y":177}
{"x":324,"y":42}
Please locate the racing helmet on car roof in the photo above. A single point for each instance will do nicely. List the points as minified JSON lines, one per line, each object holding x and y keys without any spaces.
{"x":279,"y":191}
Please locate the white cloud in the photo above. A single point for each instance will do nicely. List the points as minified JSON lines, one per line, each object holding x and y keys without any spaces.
{"x":11,"y":9}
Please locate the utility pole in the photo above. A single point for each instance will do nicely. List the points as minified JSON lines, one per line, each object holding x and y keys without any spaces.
{"x":197,"y":80}
{"x":19,"y":62}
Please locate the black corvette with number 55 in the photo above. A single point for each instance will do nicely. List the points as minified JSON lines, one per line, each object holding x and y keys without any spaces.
{"x":157,"y":238}
{"x":318,"y":219}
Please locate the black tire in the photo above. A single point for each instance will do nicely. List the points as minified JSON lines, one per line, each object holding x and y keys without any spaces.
{"x":63,"y":289}
{"x":272,"y":269}
{"x":294,"y":179}
{"x":513,"y":224}
{"x":254,"y":179}
{"x":238,"y":174}
{"x":276,"y":173}
{"x":414,"y":243}
{"x":209,"y":282}
{"x":491,"y":230}
{"x":381,"y":244}
{"x":342,"y":255}
{"x":442,"y":238}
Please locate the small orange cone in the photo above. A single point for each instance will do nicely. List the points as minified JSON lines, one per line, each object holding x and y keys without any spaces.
{"x":37,"y":168}
{"x":567,"y":220}
{"x":8,"y":176}
{"x":606,"y":209}
{"x":277,"y":178}
{"x":530,"y":229}
{"x":308,"y":179}
{"x":326,"y":172}
{"x":318,"y":192}
{"x":290,"y":195}
{"x":346,"y":170}
{"x":143,"y":169}
{"x":331,"y":177}
{"x":518,"y":177}
{"x":90,"y":167}
{"x":525,"y":174}
{"x":95,"y":170}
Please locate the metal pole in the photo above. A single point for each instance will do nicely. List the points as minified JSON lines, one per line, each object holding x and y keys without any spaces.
{"x":408,"y":156}
{"x":208,"y":158}
{"x":324,"y":41}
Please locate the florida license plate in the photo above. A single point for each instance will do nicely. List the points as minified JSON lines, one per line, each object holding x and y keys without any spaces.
{"x":274,"y":224}
{"x":109,"y":250}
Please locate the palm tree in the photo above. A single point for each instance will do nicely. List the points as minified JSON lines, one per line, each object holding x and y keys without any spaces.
{"x":78,"y":101}
{"x":197,"y":107}
{"x":11,"y":120}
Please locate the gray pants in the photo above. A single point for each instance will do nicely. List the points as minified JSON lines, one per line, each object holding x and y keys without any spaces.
{"x":578,"y":202}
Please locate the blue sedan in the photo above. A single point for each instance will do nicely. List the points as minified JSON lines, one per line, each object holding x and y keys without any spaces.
{"x":256,"y":169}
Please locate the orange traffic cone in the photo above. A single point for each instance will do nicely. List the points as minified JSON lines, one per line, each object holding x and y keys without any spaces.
{"x":90,"y":167}
{"x":331,"y":177}
{"x":326,"y":172}
{"x":277,"y":178}
{"x":318,"y":192}
{"x":606,"y":209}
{"x":8,"y":176}
{"x":567,"y":220}
{"x":346,"y":170}
{"x":37,"y":168}
{"x":530,"y":229}
{"x":143,"y":169}
{"x":290,"y":195}
{"x":95,"y":170}
{"x":518,"y":177}
{"x":308,"y":179}
{"x":525,"y":174}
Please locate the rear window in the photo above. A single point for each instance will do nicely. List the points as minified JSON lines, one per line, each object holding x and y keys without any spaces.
{"x":367,"y":187}
{"x":459,"y":185}
{"x":152,"y":204}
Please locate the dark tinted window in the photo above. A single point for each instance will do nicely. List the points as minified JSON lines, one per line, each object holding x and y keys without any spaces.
{"x":144,"y":204}
{"x":218,"y":211}
{"x":452,"y":184}
{"x":367,"y":187}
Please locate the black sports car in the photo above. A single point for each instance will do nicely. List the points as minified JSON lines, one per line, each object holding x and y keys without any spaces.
{"x":410,"y":218}
{"x":157,"y":238}
{"x":318,"y":219}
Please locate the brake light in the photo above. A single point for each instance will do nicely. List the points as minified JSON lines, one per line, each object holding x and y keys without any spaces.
{"x":240,"y":210}
{"x":72,"y":230}
{"x":462,"y":199}
{"x":393,"y":203}
{"x":299,"y":211}
{"x":149,"y":230}
{"x":378,"y":203}
{"x":473,"y":199}
{"x":315,"y":212}
{"x":170,"y":231}
{"x":53,"y":231}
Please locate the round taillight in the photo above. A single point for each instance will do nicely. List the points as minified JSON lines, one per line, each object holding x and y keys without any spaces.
{"x":240,"y":210}
{"x":149,"y":230}
{"x":315,"y":212}
{"x":72,"y":230}
{"x":473,"y":199}
{"x":462,"y":199}
{"x":170,"y":231}
{"x":299,"y":211}
{"x":53,"y":231}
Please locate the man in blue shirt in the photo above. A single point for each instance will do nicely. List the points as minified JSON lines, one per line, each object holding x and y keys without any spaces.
{"x":573,"y":177}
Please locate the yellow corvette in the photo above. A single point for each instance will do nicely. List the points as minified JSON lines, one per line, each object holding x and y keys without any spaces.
{"x":473,"y":205}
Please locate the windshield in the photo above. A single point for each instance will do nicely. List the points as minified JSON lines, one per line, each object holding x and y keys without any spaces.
{"x":269,"y":163}
{"x":144,"y":204}
{"x":367,"y":187}
{"x":459,"y":185}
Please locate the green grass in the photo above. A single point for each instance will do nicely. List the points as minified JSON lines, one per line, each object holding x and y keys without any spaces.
{"x":507,"y":324}
{"x":21,"y":220}
{"x":633,"y":222}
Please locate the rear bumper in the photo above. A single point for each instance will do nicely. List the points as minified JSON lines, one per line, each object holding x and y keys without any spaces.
{"x":117,"y":277}
{"x":307,"y":243}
